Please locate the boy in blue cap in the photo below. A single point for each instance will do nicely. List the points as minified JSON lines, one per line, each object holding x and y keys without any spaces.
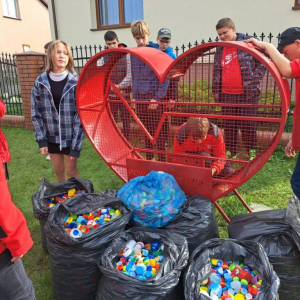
{"x":163,"y":43}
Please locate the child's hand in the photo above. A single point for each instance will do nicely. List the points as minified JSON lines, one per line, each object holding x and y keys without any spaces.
{"x":216,"y":97}
{"x":213,"y":171}
{"x":289,"y":151}
{"x":44,"y":150}
{"x":16,"y":258}
{"x":154,"y":105}
{"x":255,"y":42}
{"x":133,"y":105}
{"x":171,"y":106}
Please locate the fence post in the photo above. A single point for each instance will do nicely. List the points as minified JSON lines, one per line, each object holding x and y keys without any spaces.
{"x":30,"y":65}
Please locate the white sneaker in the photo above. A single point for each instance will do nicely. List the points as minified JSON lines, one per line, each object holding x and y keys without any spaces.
{"x":48,"y":157}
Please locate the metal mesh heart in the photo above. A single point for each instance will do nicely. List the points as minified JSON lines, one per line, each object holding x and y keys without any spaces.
{"x":139,"y":121}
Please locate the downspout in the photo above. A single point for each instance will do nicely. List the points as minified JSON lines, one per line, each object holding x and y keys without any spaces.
{"x":54,"y":19}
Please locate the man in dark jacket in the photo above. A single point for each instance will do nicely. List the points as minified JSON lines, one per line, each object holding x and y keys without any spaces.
{"x":236,"y":80}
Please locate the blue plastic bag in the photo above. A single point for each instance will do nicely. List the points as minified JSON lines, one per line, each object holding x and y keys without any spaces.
{"x":155,"y":199}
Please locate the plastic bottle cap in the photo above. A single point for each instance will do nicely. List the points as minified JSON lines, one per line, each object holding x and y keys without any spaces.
{"x":75,"y":233}
{"x":139,"y":270}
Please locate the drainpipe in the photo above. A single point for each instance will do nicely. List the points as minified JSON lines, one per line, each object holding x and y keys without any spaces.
{"x":54,"y":19}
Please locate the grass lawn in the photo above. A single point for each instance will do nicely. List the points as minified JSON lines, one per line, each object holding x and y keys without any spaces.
{"x":270,"y":186}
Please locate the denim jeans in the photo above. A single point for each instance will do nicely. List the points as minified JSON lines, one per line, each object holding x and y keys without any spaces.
{"x":14,"y":283}
{"x":295,"y":179}
{"x":151,"y":118}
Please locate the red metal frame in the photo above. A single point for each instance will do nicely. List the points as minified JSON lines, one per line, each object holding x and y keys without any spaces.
{"x":101,"y":129}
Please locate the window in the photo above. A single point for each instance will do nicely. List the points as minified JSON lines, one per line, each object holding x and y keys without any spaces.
{"x":118,"y":13}
{"x":10,"y":8}
{"x":297,"y":4}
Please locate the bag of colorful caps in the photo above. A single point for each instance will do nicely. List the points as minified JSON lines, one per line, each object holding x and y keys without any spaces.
{"x":78,"y":231}
{"x":230,"y":269}
{"x":143,"y":263}
{"x":49,"y":194}
{"x":278,"y":231}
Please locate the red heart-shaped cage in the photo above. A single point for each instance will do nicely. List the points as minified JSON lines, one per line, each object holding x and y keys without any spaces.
{"x":138,"y":103}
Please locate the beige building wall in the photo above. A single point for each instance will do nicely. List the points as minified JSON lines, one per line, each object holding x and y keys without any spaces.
{"x":32,"y":28}
{"x":77,"y":21}
{"x":192,"y":20}
{"x":189,"y":20}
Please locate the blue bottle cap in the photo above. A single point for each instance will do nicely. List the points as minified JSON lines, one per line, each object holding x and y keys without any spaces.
{"x":139,"y":270}
{"x":148,"y":274}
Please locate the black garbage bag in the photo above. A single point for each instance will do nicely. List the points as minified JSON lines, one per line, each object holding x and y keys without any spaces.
{"x":278,"y":231}
{"x":196,"y":221}
{"x":251,"y":253}
{"x":48,"y":189}
{"x":73,"y":262}
{"x":114,"y":285}
{"x":112,"y":193}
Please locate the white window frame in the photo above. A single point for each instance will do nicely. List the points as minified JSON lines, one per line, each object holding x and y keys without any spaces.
{"x":121,"y":13}
{"x":10,"y":9}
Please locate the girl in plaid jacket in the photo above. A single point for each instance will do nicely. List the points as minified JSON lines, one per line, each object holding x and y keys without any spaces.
{"x":54,"y":115}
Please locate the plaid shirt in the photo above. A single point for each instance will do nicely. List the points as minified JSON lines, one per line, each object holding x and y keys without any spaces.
{"x":62,"y":128}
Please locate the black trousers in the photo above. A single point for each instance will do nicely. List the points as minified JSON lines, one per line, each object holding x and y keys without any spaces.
{"x":231,"y":127}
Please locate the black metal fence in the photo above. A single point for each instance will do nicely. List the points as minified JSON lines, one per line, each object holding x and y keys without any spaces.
{"x":9,"y":85}
{"x":82,"y":54}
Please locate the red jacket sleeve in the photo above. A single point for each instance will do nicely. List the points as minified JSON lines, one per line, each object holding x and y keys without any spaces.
{"x":14,"y":235}
{"x":2,"y":108}
{"x":295,"y":65}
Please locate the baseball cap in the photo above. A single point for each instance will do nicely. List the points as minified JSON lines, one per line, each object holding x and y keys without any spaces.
{"x":288,"y":37}
{"x":164,"y":33}
{"x":122,"y":45}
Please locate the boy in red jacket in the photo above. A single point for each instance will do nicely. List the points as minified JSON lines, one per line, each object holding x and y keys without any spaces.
{"x":4,"y":153}
{"x":288,"y":65}
{"x":201,"y":137}
{"x":15,"y":241}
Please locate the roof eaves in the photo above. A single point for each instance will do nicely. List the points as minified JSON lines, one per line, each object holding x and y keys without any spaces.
{"x":45,"y":2}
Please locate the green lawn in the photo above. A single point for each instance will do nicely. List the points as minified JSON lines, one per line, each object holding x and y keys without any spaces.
{"x":270,"y":186}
